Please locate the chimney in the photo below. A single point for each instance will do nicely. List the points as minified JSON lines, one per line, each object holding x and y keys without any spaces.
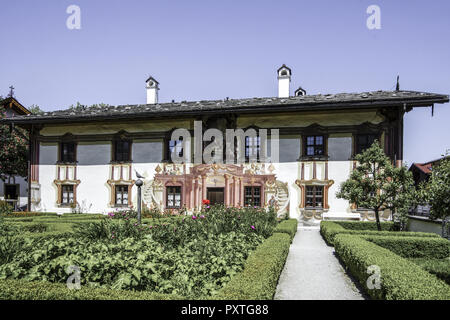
{"x":152,"y":87}
{"x":284,"y":80}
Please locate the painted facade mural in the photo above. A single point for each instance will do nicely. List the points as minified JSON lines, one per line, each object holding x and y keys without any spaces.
{"x":231,"y":185}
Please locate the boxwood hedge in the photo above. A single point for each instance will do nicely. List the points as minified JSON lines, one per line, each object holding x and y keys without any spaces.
{"x":329,"y":230}
{"x":412,"y":247}
{"x":400,"y":278}
{"x":258,"y":280}
{"x":439,"y":267}
{"x":41,"y":290}
{"x":287,"y":226}
{"x":365,"y":225}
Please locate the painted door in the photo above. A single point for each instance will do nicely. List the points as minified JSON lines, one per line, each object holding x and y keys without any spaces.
{"x":215,"y":195}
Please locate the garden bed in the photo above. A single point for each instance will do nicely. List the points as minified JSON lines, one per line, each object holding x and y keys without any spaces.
{"x":191,"y":257}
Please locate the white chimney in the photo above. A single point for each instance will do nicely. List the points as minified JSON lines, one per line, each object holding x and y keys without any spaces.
{"x":284,"y":80}
{"x":152,"y":87}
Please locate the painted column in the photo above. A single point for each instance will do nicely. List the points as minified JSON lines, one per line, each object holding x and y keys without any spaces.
{"x":236,"y":191}
{"x":241,"y":191}
{"x":195,"y":194}
{"x":204,"y":196}
{"x":226,"y":190}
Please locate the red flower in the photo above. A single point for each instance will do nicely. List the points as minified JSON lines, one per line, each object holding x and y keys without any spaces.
{"x":205,"y":202}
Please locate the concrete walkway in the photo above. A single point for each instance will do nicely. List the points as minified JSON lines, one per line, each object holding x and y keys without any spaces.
{"x":313,"y":272}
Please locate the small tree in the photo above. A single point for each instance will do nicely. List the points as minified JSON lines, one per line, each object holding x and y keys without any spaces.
{"x":13,"y":151}
{"x":436,"y":192}
{"x":376,"y":184}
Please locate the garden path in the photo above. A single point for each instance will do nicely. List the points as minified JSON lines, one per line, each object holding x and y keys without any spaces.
{"x":313,"y":272}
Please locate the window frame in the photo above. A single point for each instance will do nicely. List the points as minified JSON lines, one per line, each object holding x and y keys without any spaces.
{"x":169,"y":148}
{"x":248,"y":147}
{"x":115,"y":153}
{"x":63,"y":191}
{"x":73,"y":152}
{"x":314,"y":197}
{"x":253,"y":196}
{"x":314,"y":145}
{"x":359,"y":150}
{"x":173,"y":194}
{"x":117,"y":191}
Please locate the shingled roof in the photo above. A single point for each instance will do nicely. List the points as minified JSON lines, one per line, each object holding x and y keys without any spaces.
{"x":251,"y":105}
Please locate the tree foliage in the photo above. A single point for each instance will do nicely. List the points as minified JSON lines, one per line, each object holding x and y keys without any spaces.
{"x":378,"y":185}
{"x":13,"y":151}
{"x":436,"y":192}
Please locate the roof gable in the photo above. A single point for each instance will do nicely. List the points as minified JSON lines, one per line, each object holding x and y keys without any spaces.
{"x":12,"y":104}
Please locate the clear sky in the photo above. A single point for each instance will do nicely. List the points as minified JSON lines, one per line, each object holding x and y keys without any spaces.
{"x":201,"y":50}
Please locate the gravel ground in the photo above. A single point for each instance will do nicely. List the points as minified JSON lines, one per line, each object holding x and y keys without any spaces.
{"x":313,"y":272}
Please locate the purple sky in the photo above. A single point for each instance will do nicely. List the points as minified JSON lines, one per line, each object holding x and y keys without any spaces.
{"x":201,"y":50}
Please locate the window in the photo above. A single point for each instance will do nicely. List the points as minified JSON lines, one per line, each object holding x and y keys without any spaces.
{"x":314,"y":146}
{"x":67,"y":152}
{"x":314,"y":196}
{"x":11,"y":192}
{"x":364,"y":141}
{"x":252,"y":196}
{"x":121,"y":195}
{"x":252,"y":148}
{"x":175,"y":146}
{"x":173,"y":197}
{"x":66,"y":194}
{"x":122,"y":150}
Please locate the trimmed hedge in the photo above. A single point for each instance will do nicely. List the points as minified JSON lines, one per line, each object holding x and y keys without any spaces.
{"x":365,"y":225}
{"x":400,"y":278}
{"x":287,"y":226}
{"x":438,"y":267}
{"x":412,"y":247}
{"x":41,"y":290}
{"x":329,"y":230}
{"x":258,"y":280}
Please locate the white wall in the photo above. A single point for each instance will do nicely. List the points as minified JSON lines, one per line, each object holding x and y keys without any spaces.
{"x":93,"y":171}
{"x":48,"y":155}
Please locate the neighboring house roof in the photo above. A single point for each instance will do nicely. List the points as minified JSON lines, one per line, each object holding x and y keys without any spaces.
{"x":12,"y":103}
{"x":426,"y":167}
{"x":341,"y":101}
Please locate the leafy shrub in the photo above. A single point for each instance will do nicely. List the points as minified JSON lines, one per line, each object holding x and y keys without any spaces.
{"x":258,"y":280}
{"x":365,"y":225}
{"x":36,"y":227}
{"x":400,"y":278}
{"x":109,"y":229}
{"x":41,"y":290}
{"x":287,"y":226}
{"x":174,"y":232}
{"x":412,"y":247}
{"x":438,"y":267}
{"x":5,"y":208}
{"x":193,"y":256}
{"x":329,"y":230}
{"x":10,"y":246}
{"x":200,"y":268}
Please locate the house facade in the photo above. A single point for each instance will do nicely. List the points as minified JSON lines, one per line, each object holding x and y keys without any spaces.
{"x":88,"y":157}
